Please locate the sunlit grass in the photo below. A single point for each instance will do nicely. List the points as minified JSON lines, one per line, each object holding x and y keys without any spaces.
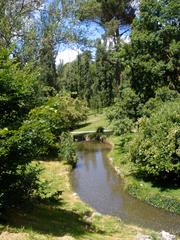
{"x":69,"y":219}
{"x":94,"y":121}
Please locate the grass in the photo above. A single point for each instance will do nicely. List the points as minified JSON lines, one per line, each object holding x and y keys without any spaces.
{"x":94,"y":121}
{"x":69,"y":219}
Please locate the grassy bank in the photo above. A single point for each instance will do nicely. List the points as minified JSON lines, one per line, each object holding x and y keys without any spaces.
{"x":67,"y":219}
{"x":166,"y":198}
{"x":94,"y":121}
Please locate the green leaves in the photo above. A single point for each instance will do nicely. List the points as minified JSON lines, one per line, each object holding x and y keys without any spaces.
{"x":154,"y":47}
{"x":67,"y":149}
{"x":125,"y":111}
{"x":20,"y":90}
{"x":156,"y":147}
{"x":61,"y":113}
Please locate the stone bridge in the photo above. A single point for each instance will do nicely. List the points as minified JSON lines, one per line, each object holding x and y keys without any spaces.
{"x":85,"y":135}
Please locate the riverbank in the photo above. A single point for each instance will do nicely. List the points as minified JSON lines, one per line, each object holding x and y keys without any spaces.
{"x":166,"y":198}
{"x":67,"y":219}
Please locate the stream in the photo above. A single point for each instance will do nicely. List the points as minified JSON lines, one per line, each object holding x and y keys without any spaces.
{"x":98,"y":184}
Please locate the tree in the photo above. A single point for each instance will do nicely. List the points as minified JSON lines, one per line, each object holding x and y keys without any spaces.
{"x":85,"y":77}
{"x":154,"y":47}
{"x":28,"y":131}
{"x":12,"y":16}
{"x":109,"y":14}
{"x":125,"y":112}
{"x":48,"y":73}
{"x":104,"y":81}
{"x":76,"y":77}
{"x":112,"y":16}
{"x":20,"y":90}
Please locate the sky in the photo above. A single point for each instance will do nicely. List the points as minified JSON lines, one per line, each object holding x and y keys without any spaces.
{"x":68,"y":54}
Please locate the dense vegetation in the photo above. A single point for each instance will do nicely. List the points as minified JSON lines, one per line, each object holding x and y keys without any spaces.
{"x":40,"y":104}
{"x":34,"y":118}
{"x":145,"y":100}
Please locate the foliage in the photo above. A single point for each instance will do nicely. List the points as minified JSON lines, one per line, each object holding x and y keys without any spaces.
{"x":155,"y":150}
{"x":154,"y":47}
{"x":20,"y":90}
{"x":18,"y":178}
{"x":67,"y":149}
{"x":162,"y":95}
{"x":77,"y":77}
{"x":12,"y":16}
{"x":104,"y":82}
{"x":110,"y":15}
{"x":92,"y":81}
{"x":126,"y":110}
{"x":157,"y":200}
{"x":61,"y":113}
{"x":27,"y":130}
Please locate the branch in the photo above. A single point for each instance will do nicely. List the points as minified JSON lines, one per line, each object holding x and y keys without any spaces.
{"x":124,"y":32}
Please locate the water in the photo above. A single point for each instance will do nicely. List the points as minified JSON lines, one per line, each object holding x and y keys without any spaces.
{"x":98,"y":184}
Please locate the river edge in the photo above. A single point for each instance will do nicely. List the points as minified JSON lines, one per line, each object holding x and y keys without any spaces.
{"x":137,"y":187}
{"x":69,"y":219}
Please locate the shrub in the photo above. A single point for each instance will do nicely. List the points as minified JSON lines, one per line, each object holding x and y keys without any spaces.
{"x":156,"y":149}
{"x":37,"y":137}
{"x":162,"y":95}
{"x":67,"y":149}
{"x":61,"y":113}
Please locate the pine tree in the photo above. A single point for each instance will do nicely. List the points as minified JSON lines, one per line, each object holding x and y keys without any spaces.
{"x":104,"y":84}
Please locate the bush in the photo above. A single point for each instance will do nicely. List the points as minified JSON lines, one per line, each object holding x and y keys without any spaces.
{"x":19,"y":179}
{"x":67,"y":149}
{"x":162,"y":95}
{"x":156,"y":149}
{"x":20,"y":90}
{"x":61,"y":113}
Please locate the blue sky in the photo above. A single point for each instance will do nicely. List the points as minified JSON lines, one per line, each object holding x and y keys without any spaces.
{"x":93,"y":31}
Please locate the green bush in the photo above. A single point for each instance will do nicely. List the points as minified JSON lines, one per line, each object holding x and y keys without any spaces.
{"x":67,"y":149}
{"x":20,"y":90}
{"x":162,"y":95}
{"x":156,"y":149}
{"x":61,"y":113}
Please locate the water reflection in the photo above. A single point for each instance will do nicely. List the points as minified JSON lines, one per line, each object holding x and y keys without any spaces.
{"x":97,"y":183}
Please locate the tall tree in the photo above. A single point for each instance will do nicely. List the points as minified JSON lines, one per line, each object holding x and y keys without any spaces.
{"x":111,"y":15}
{"x":85,"y":78}
{"x":155,"y":45}
{"x":105,"y":77}
{"x":76,"y":77}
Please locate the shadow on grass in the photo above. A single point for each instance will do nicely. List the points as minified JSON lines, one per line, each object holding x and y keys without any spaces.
{"x":82,"y":125}
{"x":45,"y":219}
{"x":162,"y":184}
